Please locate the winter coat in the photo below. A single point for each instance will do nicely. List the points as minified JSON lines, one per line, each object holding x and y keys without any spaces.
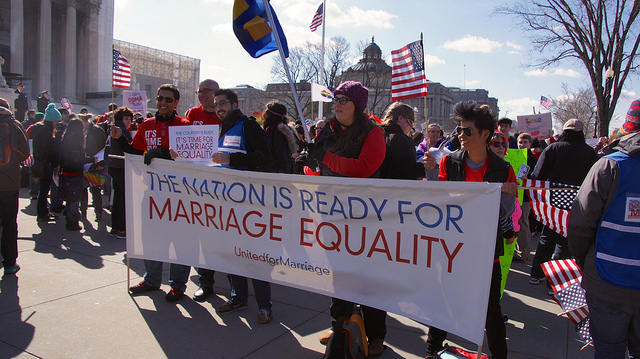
{"x":283,"y":143}
{"x":593,"y":200}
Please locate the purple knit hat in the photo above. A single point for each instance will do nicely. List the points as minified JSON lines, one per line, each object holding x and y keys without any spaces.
{"x":355,"y":91}
{"x":632,"y":121}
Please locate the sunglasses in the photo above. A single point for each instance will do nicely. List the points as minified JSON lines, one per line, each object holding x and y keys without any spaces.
{"x":165,"y":99}
{"x":341,"y":100}
{"x":205,"y":91}
{"x":497,"y":144}
{"x":468,"y":131}
{"x":221,"y":103}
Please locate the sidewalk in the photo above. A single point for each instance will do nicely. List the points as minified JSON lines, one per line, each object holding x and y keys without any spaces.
{"x":70,"y":300}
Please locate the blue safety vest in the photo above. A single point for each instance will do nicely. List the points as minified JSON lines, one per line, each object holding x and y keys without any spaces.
{"x":233,"y":140}
{"x":618,"y":237}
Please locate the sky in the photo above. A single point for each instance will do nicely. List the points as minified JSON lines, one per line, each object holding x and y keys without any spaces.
{"x":465,"y":44}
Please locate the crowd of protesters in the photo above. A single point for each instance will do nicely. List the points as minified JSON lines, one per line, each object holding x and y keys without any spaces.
{"x":74,"y":155}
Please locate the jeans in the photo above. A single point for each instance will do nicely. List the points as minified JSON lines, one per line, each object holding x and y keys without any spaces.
{"x":178,"y":274}
{"x":205,"y":277}
{"x":9,"y":239}
{"x":240,"y":291}
{"x":547,"y":246}
{"x":614,"y":328}
{"x":34,"y":186}
{"x":55,"y":198}
{"x":96,"y":195}
{"x":496,"y":331}
{"x":118,"y":216}
{"x":45,"y":185}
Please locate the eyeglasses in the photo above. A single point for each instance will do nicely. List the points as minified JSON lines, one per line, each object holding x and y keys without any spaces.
{"x":341,"y":100}
{"x":166,"y":99}
{"x":205,"y":91}
{"x":468,"y":131}
{"x":221,"y":103}
{"x":497,"y":144}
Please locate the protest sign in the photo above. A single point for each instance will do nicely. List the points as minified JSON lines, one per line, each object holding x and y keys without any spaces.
{"x":194,"y":143}
{"x":417,"y":248}
{"x":539,"y":126}
{"x":136,"y":101}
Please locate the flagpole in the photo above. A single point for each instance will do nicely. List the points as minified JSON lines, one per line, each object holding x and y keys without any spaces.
{"x":276,"y":35}
{"x":113,"y":47}
{"x":324,"y":13}
{"x":426,"y":110}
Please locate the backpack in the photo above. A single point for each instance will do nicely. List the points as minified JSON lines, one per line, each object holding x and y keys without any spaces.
{"x":350,"y":342}
{"x":6,"y":146}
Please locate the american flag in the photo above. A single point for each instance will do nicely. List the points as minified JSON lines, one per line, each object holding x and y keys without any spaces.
{"x":545,"y":102}
{"x":562,"y":273}
{"x":551,"y":207}
{"x":407,"y":77}
{"x":565,"y":277}
{"x":121,"y":70}
{"x":573,"y":302}
{"x":317,"y":19}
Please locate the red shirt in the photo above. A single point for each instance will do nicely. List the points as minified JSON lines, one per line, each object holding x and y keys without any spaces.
{"x":198,"y":116}
{"x":471,"y":175}
{"x":152,"y":134}
{"x":370,"y":159}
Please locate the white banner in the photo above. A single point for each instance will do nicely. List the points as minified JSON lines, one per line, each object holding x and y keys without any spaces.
{"x":136,"y":101}
{"x":320,"y":93}
{"x":420,"y":249}
{"x":194,"y":143}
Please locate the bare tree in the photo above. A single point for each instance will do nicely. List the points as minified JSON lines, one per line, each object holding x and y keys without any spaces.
{"x":602,"y":34}
{"x":304,"y":66}
{"x":578,"y":104}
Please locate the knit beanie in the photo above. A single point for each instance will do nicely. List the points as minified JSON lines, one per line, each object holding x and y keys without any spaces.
{"x":52,"y":113}
{"x":39,"y":116}
{"x":632,"y":121}
{"x":355,"y":91}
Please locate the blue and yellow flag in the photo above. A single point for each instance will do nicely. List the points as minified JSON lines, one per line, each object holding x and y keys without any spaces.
{"x":252,"y":28}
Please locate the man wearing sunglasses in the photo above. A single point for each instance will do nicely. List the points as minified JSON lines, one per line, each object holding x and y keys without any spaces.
{"x":476,"y":163}
{"x":152,"y":140}
{"x":243,"y":145}
{"x":205,"y":114}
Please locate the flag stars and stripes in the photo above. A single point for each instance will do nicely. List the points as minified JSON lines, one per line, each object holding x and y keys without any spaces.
{"x":121,"y":70}
{"x":408,"y":78}
{"x":317,"y":19}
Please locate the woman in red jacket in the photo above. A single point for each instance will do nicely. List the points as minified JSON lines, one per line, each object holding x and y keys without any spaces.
{"x":351,"y":145}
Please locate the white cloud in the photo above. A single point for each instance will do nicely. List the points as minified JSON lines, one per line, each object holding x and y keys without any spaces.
{"x":470,"y":84}
{"x":121,"y":5}
{"x":471,"y":43}
{"x":224,"y":28}
{"x":513,"y":45}
{"x":517,"y":106}
{"x":430,"y":60}
{"x":555,"y":72}
{"x":629,"y":94}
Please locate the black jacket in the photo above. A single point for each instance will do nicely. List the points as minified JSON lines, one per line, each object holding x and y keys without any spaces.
{"x":21,"y":104}
{"x":565,"y":162}
{"x":497,"y":171}
{"x":400,"y":161}
{"x":113,"y":147}
{"x":42,"y":103}
{"x":283,"y":143}
{"x":258,"y":157}
{"x":43,"y":149}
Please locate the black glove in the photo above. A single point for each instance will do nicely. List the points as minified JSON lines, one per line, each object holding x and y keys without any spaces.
{"x":156,"y":152}
{"x":319,"y":151}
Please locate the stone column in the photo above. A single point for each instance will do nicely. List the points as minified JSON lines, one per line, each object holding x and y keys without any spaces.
{"x":17,"y":37}
{"x":44,"y":46}
{"x":70,"y":59}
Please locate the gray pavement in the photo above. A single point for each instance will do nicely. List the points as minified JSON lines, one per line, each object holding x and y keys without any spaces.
{"x":70,"y":300}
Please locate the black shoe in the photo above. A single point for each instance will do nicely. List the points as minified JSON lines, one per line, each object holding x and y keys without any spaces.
{"x":113,"y":232}
{"x":174,"y":295}
{"x":73,"y":226}
{"x":142,"y":287}
{"x":57,"y":209}
{"x":202,"y":294}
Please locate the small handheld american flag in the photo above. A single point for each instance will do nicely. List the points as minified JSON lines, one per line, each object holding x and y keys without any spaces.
{"x":121,"y":70}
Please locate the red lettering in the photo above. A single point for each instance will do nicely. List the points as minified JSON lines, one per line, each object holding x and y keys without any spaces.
{"x":273,"y":226}
{"x":166,"y":207}
{"x":346,"y":242}
{"x":184,"y":212}
{"x":380,"y":235}
{"x":210,"y":216}
{"x":429,"y":247}
{"x":259,"y":225}
{"x":398,"y":259}
{"x":449,"y":255}
{"x":335,"y":229}
{"x":232,"y":216}
{"x":196,"y":214}
{"x":304,"y":231}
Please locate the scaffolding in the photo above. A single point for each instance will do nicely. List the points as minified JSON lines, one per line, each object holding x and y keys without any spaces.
{"x":151,"y":68}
